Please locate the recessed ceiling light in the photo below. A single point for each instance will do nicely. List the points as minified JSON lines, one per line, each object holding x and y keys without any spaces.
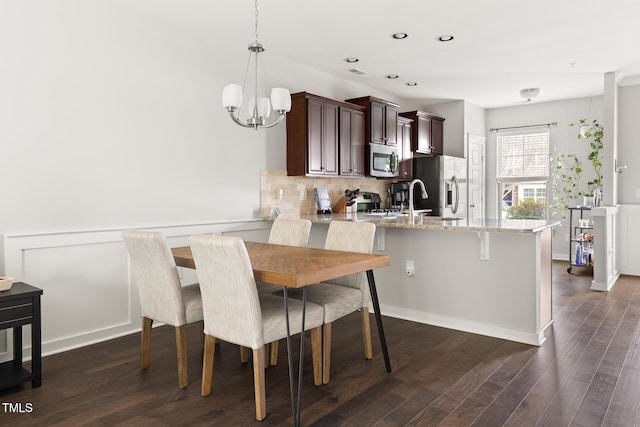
{"x":445,"y":38}
{"x":400,"y":36}
{"x":351,"y":60}
{"x":411,"y":84}
{"x":392,"y":76}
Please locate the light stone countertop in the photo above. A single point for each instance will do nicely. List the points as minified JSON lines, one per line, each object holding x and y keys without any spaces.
{"x":437,"y":223}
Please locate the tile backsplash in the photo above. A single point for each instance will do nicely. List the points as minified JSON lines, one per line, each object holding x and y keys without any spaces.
{"x":294,"y":195}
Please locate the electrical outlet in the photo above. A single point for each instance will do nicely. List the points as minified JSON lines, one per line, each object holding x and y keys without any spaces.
{"x":409,"y":269}
{"x":303,"y":194}
{"x":637,"y":193}
{"x":279,"y":194}
{"x":567,"y":237}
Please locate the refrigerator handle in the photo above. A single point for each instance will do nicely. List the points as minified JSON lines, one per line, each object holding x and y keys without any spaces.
{"x":455,"y":206}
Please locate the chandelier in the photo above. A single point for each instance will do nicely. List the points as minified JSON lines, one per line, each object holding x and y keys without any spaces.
{"x":260,"y":111}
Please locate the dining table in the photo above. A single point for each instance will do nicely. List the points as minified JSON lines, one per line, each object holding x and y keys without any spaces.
{"x":300,"y":267}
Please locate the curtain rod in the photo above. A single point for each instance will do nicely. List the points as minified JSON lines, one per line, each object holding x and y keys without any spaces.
{"x":526,"y":126}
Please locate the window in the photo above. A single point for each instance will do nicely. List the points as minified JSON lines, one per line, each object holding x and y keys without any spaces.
{"x":523,"y":172}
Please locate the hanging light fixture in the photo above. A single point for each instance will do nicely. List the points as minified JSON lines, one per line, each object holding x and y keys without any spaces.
{"x":260,"y":111}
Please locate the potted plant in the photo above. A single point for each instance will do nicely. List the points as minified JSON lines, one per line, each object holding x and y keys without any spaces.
{"x":593,"y":133}
{"x":567,"y":168}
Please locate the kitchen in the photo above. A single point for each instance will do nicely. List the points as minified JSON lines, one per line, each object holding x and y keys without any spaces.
{"x":473,"y":298}
{"x":113,"y":120}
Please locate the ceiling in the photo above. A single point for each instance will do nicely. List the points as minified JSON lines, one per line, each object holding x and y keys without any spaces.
{"x":563,"y":47}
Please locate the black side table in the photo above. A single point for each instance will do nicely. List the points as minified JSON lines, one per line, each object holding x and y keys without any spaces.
{"x":19,"y":306}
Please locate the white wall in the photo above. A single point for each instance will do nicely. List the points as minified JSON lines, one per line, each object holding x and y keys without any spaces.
{"x":629,"y":144}
{"x":111,"y":117}
{"x":474,"y":120}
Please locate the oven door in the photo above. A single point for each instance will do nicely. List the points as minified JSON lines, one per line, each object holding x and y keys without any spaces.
{"x":383,"y":160}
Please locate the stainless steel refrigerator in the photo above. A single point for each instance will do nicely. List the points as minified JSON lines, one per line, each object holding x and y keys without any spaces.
{"x":445,"y":179}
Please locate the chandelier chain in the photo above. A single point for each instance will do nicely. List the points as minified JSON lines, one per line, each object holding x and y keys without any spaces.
{"x":256,"y":21}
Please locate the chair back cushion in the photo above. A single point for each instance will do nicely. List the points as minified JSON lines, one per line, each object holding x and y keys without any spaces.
{"x":290,"y":232}
{"x":154,"y":273}
{"x":230,"y":301}
{"x":352,"y":237}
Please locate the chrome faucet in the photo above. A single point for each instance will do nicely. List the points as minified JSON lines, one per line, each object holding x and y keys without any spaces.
{"x":424,"y":196}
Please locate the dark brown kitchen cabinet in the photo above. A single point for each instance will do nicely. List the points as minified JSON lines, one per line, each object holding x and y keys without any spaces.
{"x":381,"y":119}
{"x":351,"y":142}
{"x":317,"y":140}
{"x":322,"y":137}
{"x":405,"y":170}
{"x":428,"y":132}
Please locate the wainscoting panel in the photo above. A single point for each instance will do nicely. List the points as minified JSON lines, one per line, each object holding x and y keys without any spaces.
{"x":629,"y":238}
{"x":88,"y":296}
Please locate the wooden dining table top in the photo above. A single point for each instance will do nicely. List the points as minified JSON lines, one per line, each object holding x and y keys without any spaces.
{"x":294,"y":266}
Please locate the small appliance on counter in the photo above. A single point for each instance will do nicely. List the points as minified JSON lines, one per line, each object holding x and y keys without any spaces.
{"x":366,"y":201}
{"x":400,"y":195}
{"x":371,"y":204}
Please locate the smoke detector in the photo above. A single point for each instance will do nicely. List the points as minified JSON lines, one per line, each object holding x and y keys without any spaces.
{"x":357,"y":71}
{"x":528,"y":94}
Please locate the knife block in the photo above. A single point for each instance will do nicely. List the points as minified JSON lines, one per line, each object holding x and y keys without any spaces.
{"x":340,"y":205}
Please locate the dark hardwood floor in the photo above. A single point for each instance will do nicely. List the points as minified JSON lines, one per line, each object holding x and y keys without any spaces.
{"x":586,"y":374}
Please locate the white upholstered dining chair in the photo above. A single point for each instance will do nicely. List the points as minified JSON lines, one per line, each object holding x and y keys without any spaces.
{"x":346,"y":294}
{"x":290,"y":232}
{"x":162,"y":297}
{"x":236,"y":313}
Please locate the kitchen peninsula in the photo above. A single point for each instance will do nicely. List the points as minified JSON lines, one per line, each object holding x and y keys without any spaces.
{"x":491,"y":277}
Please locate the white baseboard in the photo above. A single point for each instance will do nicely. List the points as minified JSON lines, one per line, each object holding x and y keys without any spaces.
{"x":531,"y":338}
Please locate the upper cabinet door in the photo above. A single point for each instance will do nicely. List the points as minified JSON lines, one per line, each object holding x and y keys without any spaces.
{"x":391,"y":125}
{"x":378,"y":122}
{"x":315,"y":130}
{"x":358,"y":143}
{"x":406,"y":154}
{"x":330,"y":139}
{"x":351,"y":142}
{"x":437,"y":135}
{"x":423,"y":135}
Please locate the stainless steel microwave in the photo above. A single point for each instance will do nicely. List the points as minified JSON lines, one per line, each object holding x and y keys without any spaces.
{"x":383,"y":160}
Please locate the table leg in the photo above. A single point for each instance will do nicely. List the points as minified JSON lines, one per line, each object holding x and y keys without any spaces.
{"x":17,"y":345}
{"x":376,"y":307}
{"x":295,"y":402}
{"x":36,"y":345}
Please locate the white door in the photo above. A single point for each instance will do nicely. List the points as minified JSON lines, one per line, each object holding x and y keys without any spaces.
{"x":475,"y":177}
